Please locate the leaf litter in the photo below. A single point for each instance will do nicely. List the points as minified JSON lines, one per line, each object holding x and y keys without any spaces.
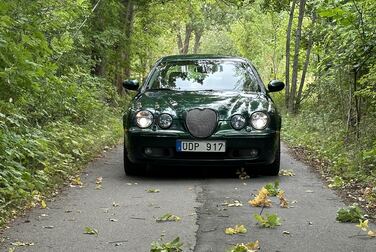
{"x":168,"y":217}
{"x":237,"y":229}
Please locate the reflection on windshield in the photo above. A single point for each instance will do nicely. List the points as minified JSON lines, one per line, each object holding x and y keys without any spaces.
{"x":197,"y":75}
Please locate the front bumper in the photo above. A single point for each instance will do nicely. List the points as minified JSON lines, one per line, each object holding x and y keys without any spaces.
{"x":238,"y":147}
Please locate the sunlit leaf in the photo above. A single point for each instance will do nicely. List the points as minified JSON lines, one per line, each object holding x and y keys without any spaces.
{"x":371,"y":233}
{"x":173,"y":246}
{"x":282,"y":200}
{"x":261,"y":199}
{"x":363,"y":225}
{"x":249,"y":247}
{"x":237,"y":229}
{"x":43,"y":204}
{"x":90,"y":231}
{"x":153,"y":190}
{"x":168,"y":217}
{"x":268,"y":220}
{"x":286,"y":172}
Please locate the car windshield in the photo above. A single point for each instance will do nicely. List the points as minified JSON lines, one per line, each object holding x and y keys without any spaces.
{"x":202,"y":75}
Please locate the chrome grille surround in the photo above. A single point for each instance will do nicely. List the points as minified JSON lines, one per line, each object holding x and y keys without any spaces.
{"x":201,"y":123}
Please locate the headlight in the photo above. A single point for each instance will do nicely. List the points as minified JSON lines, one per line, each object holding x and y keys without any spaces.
{"x":165,"y":121}
{"x":237,"y":122}
{"x":259,"y":120}
{"x":144,"y":119}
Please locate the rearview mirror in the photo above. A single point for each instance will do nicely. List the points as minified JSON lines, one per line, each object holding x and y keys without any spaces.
{"x":275,"y":86}
{"x":131,"y":84}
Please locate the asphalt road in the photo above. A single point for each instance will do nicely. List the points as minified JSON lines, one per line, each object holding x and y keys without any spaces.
{"x":124,"y":213}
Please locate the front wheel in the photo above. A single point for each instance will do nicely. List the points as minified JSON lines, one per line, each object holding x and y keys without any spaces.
{"x":273,"y":168}
{"x":131,"y":168}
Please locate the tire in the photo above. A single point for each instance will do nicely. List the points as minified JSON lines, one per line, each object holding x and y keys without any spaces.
{"x":273,"y":168}
{"x":131,"y":168}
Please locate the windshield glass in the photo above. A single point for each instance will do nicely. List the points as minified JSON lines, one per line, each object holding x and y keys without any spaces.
{"x":199,"y":75}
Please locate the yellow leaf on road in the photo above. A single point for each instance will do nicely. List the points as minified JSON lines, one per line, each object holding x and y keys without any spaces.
{"x":261,"y":200}
{"x":372,"y":233}
{"x":363,"y":225}
{"x":43,"y":204}
{"x":238,"y":229}
{"x":282,"y":200}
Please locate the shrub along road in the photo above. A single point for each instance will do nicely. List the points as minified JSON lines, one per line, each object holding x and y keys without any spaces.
{"x":123,"y":213}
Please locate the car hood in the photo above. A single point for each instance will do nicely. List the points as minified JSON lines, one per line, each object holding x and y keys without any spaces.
{"x":227,"y":103}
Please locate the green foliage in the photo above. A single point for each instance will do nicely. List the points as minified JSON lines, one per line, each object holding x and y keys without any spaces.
{"x":268,"y":220}
{"x":168,"y":217}
{"x":273,"y":188}
{"x":54,"y":114}
{"x":350,"y":214}
{"x":249,"y":247}
{"x":336,"y":182}
{"x":173,"y":246}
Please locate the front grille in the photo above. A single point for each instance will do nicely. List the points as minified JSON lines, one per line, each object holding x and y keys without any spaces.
{"x":201,"y":123}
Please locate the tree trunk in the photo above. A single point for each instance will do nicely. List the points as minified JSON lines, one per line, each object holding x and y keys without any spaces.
{"x":123,"y":69}
{"x":288,"y":39}
{"x":179,"y":41}
{"x":128,"y":35}
{"x":295,"y":64}
{"x":305,"y":67}
{"x":198,"y":34}
{"x":188,"y":34}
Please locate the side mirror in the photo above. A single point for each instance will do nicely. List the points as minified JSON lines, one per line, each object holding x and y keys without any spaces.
{"x":275,"y":86}
{"x":131,"y":84}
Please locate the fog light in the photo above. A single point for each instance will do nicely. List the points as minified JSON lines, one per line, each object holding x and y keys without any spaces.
{"x":253,"y":153}
{"x":148,"y":151}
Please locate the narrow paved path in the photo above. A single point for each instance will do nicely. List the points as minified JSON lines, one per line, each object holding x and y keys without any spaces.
{"x":124,"y":212}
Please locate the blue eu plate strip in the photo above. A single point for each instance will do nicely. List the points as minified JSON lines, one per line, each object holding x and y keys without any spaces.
{"x":178,"y":145}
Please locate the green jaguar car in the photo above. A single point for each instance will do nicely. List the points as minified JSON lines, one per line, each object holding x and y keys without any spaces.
{"x":202,"y":110}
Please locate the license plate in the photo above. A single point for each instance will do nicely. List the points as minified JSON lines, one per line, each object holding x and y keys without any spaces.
{"x":200,"y":146}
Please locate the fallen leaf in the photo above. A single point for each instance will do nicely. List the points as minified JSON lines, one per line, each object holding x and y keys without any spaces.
{"x":268,"y":220}
{"x":242,"y":174}
{"x":238,"y":229}
{"x":43,"y":204}
{"x":90,"y":231}
{"x":168,"y":217}
{"x":76,"y":181}
{"x":249,"y":247}
{"x":22,"y":244}
{"x":153,"y":190}
{"x":336,"y":182}
{"x":11,"y":249}
{"x":98,"y":180}
{"x":286,"y":172}
{"x":363,"y":225}
{"x":371,"y":233}
{"x":235,"y":203}
{"x":282,"y":200}
{"x":261,"y":200}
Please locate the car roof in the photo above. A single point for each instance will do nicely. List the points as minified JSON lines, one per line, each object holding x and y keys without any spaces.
{"x":198,"y":57}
